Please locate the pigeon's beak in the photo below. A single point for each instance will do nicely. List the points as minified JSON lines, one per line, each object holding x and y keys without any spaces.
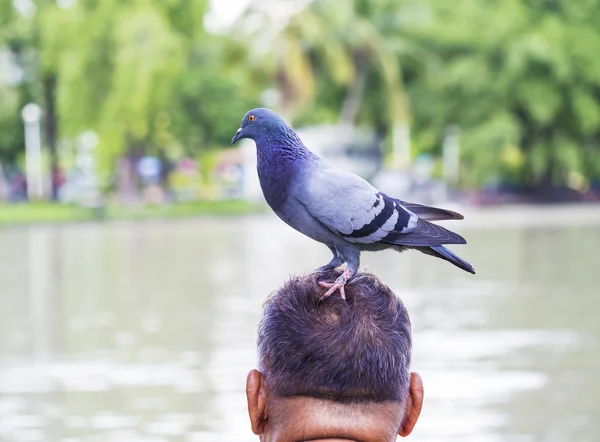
{"x":237,"y":136}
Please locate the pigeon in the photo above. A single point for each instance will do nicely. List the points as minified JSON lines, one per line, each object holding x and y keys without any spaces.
{"x":337,"y":208}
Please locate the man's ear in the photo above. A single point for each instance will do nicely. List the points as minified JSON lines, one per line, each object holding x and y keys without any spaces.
{"x":414,"y":403}
{"x":256,"y":395}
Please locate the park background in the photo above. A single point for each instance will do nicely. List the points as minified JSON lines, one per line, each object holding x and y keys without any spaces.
{"x":136,"y":248}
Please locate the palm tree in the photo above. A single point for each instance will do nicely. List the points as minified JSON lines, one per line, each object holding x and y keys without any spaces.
{"x":349,"y":39}
{"x":336,"y":34}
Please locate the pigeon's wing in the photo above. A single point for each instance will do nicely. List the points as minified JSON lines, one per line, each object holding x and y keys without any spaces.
{"x":355,"y":210}
{"x":348,"y":205}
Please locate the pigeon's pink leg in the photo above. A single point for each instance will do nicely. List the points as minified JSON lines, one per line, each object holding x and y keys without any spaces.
{"x":339,"y":284}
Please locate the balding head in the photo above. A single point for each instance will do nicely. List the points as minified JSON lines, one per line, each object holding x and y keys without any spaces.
{"x":332,"y":369}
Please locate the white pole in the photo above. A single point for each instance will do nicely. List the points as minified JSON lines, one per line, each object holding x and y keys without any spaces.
{"x":451,"y":156}
{"x":33,"y":151}
{"x":90,"y":195}
{"x":401,"y":146}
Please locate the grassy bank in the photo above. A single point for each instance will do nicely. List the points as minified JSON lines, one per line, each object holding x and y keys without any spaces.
{"x":15,"y":214}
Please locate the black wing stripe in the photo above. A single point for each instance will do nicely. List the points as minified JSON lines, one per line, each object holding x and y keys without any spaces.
{"x":403,"y":219}
{"x":378,"y":221}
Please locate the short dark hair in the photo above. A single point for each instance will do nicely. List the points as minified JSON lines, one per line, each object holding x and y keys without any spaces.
{"x":353,"y":350}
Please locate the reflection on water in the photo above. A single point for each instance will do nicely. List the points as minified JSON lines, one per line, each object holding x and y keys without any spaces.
{"x":145,"y":332}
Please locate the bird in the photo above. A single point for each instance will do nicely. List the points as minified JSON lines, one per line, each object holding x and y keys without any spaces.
{"x":336,"y":207}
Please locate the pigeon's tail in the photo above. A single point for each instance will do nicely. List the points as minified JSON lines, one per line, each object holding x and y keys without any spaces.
{"x":431,"y":213}
{"x":445,"y":254}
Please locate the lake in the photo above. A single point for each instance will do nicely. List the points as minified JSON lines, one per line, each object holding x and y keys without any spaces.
{"x":145,"y":331}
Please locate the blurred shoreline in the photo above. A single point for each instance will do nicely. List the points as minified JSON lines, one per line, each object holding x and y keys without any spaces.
{"x":27,"y":214}
{"x":538,"y":215}
{"x":496,"y":216}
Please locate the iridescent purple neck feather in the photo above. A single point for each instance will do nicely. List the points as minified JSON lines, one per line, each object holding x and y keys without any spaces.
{"x":280,"y":155}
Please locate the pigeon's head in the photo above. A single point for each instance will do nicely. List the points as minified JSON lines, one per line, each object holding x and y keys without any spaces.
{"x":259,"y":122}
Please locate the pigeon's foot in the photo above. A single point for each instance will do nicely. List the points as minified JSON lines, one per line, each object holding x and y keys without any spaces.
{"x":339,"y":284}
{"x":333,"y":287}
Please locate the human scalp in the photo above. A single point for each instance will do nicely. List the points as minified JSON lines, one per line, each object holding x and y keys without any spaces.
{"x":348,"y":351}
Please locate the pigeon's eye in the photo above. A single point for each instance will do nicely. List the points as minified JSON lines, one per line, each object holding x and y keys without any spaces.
{"x":251,"y":118}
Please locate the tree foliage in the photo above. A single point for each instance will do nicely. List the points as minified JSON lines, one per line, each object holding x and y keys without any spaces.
{"x":520,"y":78}
{"x":128,"y":70}
{"x":332,"y":46}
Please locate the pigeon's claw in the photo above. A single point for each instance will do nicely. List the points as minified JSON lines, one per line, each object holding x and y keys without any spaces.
{"x":333,"y":287}
{"x":338,"y":284}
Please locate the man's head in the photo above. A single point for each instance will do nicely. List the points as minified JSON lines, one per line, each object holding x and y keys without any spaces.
{"x":334,"y":370}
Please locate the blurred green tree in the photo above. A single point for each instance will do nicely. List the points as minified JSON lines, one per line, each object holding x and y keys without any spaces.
{"x":143,"y":75}
{"x":522,"y":79}
{"x":12,"y":97}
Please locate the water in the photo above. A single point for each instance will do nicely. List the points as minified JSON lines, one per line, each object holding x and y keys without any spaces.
{"x":145,"y":332}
